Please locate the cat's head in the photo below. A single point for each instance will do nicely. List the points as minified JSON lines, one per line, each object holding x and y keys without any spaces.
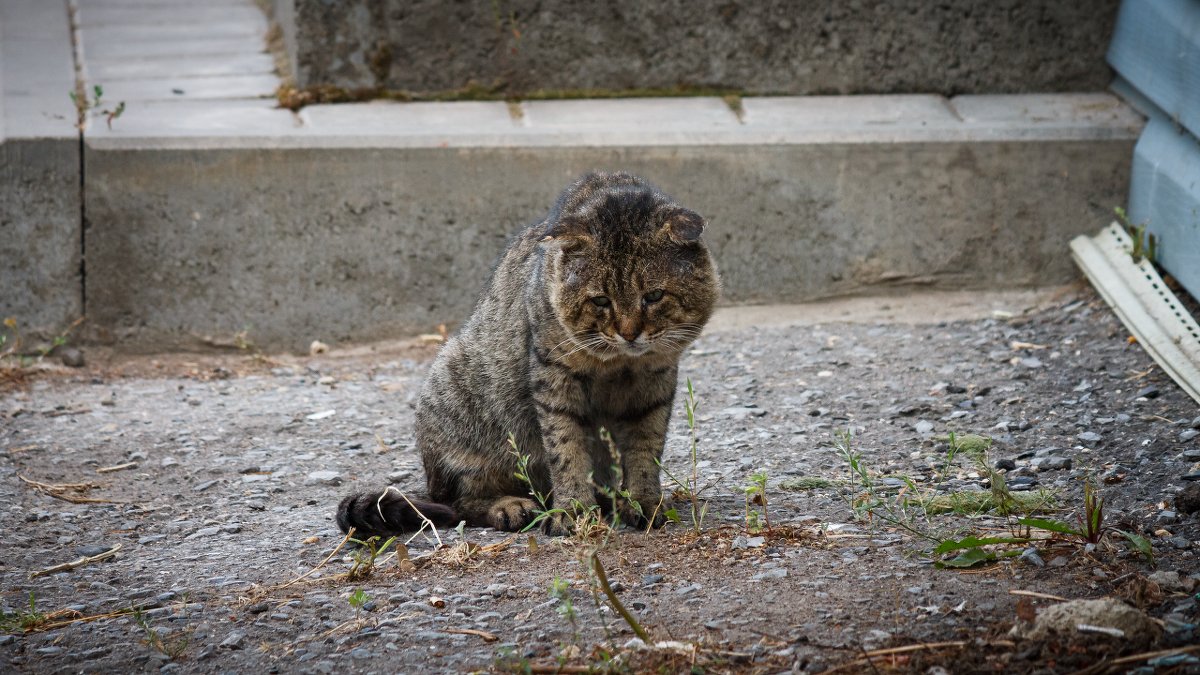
{"x":629,"y":273}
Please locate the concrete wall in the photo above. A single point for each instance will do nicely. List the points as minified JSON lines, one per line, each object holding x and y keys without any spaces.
{"x":768,"y":47}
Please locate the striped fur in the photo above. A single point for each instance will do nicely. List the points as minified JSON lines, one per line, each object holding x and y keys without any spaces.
{"x":579,"y":328}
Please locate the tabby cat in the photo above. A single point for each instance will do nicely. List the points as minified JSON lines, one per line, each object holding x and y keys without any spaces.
{"x":580,"y":328}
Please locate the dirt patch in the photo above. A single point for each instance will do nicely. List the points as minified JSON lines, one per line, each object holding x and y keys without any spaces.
{"x":218,"y":474}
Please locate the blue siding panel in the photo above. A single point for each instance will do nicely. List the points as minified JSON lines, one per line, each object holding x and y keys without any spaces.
{"x":1164,"y":193}
{"x":1156,"y":47}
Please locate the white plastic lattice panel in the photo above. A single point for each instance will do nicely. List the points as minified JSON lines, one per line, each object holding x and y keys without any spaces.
{"x":1138,"y":295}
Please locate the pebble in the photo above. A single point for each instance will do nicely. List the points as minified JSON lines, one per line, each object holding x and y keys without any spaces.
{"x":234,"y":640}
{"x":497,"y":590}
{"x":1006,"y":464}
{"x":1150,"y":391}
{"x":1089,"y":437}
{"x":1188,"y":499}
{"x":687,"y":590}
{"x":71,"y":357}
{"x":1188,"y":434}
{"x":1031,"y":557}
{"x":360,"y":653}
{"x":923,"y":427}
{"x":777,"y":573}
{"x":651,"y":579}
{"x":1196,"y":423}
{"x":323,"y":478}
{"x":201,"y":487}
{"x":1051,"y":463}
{"x":747,"y":542}
{"x":49,"y":651}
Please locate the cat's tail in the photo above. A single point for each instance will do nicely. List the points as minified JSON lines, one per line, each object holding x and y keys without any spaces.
{"x":390,"y":512}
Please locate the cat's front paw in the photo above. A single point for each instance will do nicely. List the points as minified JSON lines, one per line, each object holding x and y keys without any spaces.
{"x":558,"y":524}
{"x":511,"y":514}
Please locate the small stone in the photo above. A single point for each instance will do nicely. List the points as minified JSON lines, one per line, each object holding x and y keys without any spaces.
{"x":71,"y":357}
{"x":776,"y":573}
{"x":687,"y":590}
{"x":651,"y":579}
{"x":1006,"y":464}
{"x":201,"y":487}
{"x":1168,"y":580}
{"x":231,"y":528}
{"x":1195,"y":423}
{"x":1166,"y":517}
{"x":1089,"y":437}
{"x":1188,"y":499}
{"x":234,"y":640}
{"x":1150,"y":391}
{"x":1192,"y":454}
{"x":49,"y":651}
{"x":497,"y":590}
{"x":747,"y":542}
{"x":93,"y":550}
{"x":1188,"y":434}
{"x":323,"y":478}
{"x":1051,"y":463}
{"x":7,"y":639}
{"x":923,"y":427}
{"x":1030,"y":556}
{"x":1031,"y":362}
{"x":360,"y":653}
{"x":1181,"y":543}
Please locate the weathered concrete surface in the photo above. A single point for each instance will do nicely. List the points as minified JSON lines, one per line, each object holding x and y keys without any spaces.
{"x":776,"y":47}
{"x":40,"y":279}
{"x":365,"y":222}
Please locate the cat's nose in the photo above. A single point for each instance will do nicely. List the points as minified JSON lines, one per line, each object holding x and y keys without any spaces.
{"x":629,"y":331}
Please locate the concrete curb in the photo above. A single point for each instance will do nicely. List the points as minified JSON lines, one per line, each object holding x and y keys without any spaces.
{"x":365,"y":221}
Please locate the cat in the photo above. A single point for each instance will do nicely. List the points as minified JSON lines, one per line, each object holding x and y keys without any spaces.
{"x":580,"y":327}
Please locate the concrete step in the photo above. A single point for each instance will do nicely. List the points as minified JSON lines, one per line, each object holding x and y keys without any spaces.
{"x":215,"y":215}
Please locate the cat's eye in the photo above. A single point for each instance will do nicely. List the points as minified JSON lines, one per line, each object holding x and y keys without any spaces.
{"x":653,"y":296}
{"x":601,"y":301}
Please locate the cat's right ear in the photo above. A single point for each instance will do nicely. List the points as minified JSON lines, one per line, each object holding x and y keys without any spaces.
{"x":567,"y":232}
{"x":684,"y":226}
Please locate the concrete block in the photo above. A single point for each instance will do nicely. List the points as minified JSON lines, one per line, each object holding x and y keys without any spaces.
{"x":761,"y":48}
{"x":39,"y":170}
{"x":1164,"y":195}
{"x":1156,"y":48}
{"x":193,"y":88}
{"x":378,"y":220}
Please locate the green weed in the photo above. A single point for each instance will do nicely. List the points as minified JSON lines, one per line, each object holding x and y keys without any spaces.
{"x":171,"y":647}
{"x":365,"y":556}
{"x":23,"y":620}
{"x":756,"y":493}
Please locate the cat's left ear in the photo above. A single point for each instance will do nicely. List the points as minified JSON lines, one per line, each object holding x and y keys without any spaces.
{"x":684,"y":226}
{"x":567,"y":232}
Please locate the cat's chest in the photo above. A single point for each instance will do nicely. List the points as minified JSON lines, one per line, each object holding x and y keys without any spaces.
{"x":617,"y":390}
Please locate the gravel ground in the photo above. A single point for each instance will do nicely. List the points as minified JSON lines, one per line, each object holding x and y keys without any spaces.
{"x":233,"y":464}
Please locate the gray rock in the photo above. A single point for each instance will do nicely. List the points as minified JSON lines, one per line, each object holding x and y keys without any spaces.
{"x":1089,"y":437}
{"x":747,"y":542}
{"x":777,"y":573}
{"x":360,"y":653}
{"x":1168,"y":580}
{"x":1149,"y":391}
{"x":1188,"y":434}
{"x":1006,"y":464}
{"x":201,"y":487}
{"x":1051,"y":463}
{"x":497,"y":590}
{"x":48,"y":651}
{"x":1196,"y":423}
{"x":323,"y":478}
{"x":71,"y":357}
{"x":1030,"y":556}
{"x":923,"y":427}
{"x":235,"y":640}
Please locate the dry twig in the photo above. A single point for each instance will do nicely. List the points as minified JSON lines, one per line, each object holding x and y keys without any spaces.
{"x":61,"y":490}
{"x":1035,"y":594}
{"x":80,"y":562}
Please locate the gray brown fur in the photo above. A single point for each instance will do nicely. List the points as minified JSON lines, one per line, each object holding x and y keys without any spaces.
{"x":540,"y":359}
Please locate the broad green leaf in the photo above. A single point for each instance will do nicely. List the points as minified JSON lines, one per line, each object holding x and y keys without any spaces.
{"x":1049,"y":525}
{"x":1140,"y":543}
{"x":972,"y":541}
{"x":968,"y":558}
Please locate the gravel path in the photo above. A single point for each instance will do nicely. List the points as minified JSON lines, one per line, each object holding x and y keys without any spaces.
{"x":232,"y":466}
